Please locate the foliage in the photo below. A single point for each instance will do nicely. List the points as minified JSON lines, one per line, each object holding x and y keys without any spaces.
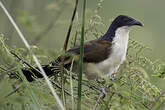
{"x":130,"y":90}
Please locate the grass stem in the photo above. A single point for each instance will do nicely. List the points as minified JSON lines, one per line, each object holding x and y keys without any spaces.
{"x":34,"y":57}
{"x":81,"y":58}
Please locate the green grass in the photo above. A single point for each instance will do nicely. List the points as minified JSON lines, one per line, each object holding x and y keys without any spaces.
{"x":81,"y":58}
{"x":132,"y":88}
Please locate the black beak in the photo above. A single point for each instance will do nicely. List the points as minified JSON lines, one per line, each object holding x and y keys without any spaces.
{"x":136,"y":22}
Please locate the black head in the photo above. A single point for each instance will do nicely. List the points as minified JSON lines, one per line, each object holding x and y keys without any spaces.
{"x":120,"y":21}
{"x":123,"y":20}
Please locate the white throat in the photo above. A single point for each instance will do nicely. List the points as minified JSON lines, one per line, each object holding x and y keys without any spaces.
{"x":118,"y":51}
{"x":122,"y":36}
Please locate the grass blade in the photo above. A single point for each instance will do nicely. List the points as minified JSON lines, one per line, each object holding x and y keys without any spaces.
{"x":70,"y":26}
{"x":65,"y":48}
{"x":71,"y":84}
{"x":81,"y":58}
{"x":34,"y":57}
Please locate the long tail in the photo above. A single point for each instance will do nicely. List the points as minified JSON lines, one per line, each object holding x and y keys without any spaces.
{"x":30,"y":74}
{"x":53,"y":67}
{"x":50,"y":69}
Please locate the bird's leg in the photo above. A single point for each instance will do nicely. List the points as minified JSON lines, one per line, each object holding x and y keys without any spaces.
{"x":104,"y":91}
{"x":112,"y":77}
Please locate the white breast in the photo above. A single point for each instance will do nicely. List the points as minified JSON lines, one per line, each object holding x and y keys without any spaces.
{"x":118,"y":53}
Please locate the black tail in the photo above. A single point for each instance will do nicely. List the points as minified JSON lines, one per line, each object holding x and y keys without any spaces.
{"x":50,"y":69}
{"x":30,"y":74}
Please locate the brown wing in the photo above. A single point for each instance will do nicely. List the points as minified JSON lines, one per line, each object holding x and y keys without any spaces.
{"x":94,"y":51}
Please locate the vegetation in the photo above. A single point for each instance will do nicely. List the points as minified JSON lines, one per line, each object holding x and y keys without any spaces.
{"x":131,"y":89}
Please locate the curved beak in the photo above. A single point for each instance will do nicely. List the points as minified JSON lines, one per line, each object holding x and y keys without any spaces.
{"x":136,"y":22}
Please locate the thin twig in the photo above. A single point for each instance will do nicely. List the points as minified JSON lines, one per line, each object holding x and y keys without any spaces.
{"x":65,"y":48}
{"x":34,"y":57}
{"x":76,"y":34}
{"x":71,"y":84}
{"x":70,"y":26}
{"x":3,"y":68}
{"x":8,"y":70}
{"x":88,"y":85}
{"x":62,"y":81}
{"x":98,"y":101}
{"x":13,"y":91}
{"x":25,"y":62}
{"x":66,"y":91}
{"x":145,"y":105}
{"x":101,"y":96}
{"x":156,"y":100}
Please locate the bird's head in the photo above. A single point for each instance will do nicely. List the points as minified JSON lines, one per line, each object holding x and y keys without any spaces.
{"x":123,"y":20}
{"x":120,"y":25}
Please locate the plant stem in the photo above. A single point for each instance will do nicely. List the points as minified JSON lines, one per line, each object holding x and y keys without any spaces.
{"x":81,"y":58}
{"x":34,"y":57}
{"x":70,"y":26}
{"x":63,"y":82}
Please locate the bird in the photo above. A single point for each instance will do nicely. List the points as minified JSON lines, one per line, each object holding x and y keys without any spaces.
{"x":102,"y":56}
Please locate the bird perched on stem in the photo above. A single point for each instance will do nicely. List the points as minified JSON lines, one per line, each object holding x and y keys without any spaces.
{"x":103,"y":55}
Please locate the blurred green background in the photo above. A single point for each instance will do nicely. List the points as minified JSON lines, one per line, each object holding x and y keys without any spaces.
{"x":36,"y":16}
{"x":150,"y":12}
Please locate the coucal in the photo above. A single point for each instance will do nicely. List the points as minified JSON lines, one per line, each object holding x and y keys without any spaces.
{"x":103,"y":55}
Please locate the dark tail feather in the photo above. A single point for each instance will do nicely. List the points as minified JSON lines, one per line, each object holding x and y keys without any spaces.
{"x":30,"y":74}
{"x":50,"y":69}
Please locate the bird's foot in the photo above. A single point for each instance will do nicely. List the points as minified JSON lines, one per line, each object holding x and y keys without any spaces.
{"x":103,"y":90}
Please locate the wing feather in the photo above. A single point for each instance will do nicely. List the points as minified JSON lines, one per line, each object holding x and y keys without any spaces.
{"x":94,"y":52}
